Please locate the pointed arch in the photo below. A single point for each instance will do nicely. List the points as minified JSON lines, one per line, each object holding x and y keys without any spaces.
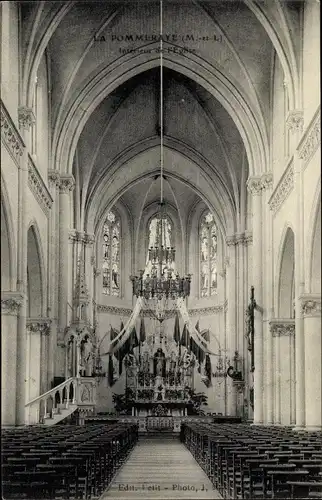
{"x":285,"y":275}
{"x":314,"y":247}
{"x":36,"y":296}
{"x":8,"y":245}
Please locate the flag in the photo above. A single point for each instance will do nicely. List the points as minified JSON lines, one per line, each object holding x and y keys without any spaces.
{"x":185,"y":337}
{"x":110,"y":373}
{"x":176,"y":333}
{"x":133,"y":340}
{"x":142,"y":330}
{"x":197,"y":326}
{"x":208,"y":367}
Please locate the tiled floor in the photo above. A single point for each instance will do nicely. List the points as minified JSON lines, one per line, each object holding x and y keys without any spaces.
{"x":160,"y":468}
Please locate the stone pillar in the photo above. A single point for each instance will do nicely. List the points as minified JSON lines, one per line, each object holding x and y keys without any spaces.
{"x":26,"y":119}
{"x":294,"y":122}
{"x":311,"y":309}
{"x":254,"y":185}
{"x":283,"y":331}
{"x":66,"y":186}
{"x":53,"y":267}
{"x":10,"y":304}
{"x":231,"y":319}
{"x":268,"y":299}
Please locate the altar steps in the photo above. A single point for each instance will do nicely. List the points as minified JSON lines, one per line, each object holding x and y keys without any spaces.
{"x":160,"y":468}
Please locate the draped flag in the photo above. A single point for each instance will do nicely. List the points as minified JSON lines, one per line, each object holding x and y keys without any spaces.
{"x":176,"y":333}
{"x":142,"y":330}
{"x":133,"y":340}
{"x":110,"y":373}
{"x":185,"y":337}
{"x":208,"y":368}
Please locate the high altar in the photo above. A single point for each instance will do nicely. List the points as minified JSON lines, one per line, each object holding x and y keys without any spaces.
{"x":158,"y":379}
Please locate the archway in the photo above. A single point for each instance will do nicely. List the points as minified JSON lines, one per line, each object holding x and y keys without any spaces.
{"x":286,"y":278}
{"x":315,"y":271}
{"x":35,"y":302}
{"x":35,"y":296}
{"x":284,"y":341}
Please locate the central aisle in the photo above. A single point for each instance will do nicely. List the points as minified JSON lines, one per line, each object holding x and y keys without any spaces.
{"x":160,"y":468}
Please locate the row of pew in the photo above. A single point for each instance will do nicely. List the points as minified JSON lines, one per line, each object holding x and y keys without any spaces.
{"x":63,"y":462}
{"x":246,"y":462}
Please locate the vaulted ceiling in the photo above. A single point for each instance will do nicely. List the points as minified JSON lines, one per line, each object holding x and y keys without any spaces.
{"x":105,"y":101}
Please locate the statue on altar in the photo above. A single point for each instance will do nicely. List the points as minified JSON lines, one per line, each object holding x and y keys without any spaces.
{"x":159,"y":364}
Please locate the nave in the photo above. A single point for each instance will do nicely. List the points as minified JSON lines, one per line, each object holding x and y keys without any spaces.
{"x":101,"y":461}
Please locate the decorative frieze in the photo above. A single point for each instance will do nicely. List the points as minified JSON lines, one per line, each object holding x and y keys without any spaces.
{"x":38,"y":325}
{"x":311,"y":139}
{"x":26,"y":117}
{"x":81,"y":237}
{"x":239,"y":239}
{"x":295,"y":120}
{"x":282,"y":327}
{"x":311,"y":305}
{"x":38,"y":187}
{"x":67,"y":183}
{"x":283,"y":188}
{"x":11,"y":302}
{"x":121,"y":311}
{"x":11,"y":136}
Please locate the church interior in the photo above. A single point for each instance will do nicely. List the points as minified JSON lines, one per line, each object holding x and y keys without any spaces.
{"x":160,"y":249}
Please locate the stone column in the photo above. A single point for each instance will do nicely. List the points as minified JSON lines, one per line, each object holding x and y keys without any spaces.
{"x":66,"y":186}
{"x":231,"y":318}
{"x":53,"y":267}
{"x":254,"y":185}
{"x":283,"y":331}
{"x":10,"y":305}
{"x":311,"y":309}
{"x":268,"y":280}
{"x":26,"y":119}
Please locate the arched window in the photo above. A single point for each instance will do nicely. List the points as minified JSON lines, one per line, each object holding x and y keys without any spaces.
{"x":208,"y":255}
{"x":160,"y":235}
{"x":111,"y":255}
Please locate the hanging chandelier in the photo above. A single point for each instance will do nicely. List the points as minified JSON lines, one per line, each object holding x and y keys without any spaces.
{"x":159,"y":280}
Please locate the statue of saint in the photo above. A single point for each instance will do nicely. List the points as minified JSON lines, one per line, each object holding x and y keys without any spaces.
{"x":159,"y":363}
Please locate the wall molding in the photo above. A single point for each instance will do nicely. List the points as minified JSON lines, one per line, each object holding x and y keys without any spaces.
{"x":11,"y":136}
{"x":282,"y":327}
{"x":311,"y":139}
{"x":38,"y":187}
{"x":283,"y":188}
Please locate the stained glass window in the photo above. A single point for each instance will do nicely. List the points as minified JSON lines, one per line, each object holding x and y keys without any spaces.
{"x":208,"y":256}
{"x":111,"y":255}
{"x":160,"y":231}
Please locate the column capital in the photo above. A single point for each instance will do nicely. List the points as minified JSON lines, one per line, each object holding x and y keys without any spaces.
{"x":254,"y":185}
{"x":67,"y":183}
{"x":282,"y":327}
{"x":311,"y":305}
{"x":267,"y":180}
{"x":81,"y":236}
{"x":295,"y":120}
{"x":231,"y":240}
{"x":54,"y":177}
{"x":26,"y":117}
{"x":39,"y":325}
{"x":11,"y":302}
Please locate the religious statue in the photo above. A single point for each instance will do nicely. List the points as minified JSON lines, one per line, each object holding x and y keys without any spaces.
{"x":159,"y":363}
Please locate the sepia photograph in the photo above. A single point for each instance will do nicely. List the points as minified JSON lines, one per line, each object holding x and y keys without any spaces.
{"x":160,"y":250}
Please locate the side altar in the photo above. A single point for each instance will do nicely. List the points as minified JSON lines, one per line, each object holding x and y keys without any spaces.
{"x":159,"y":379}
